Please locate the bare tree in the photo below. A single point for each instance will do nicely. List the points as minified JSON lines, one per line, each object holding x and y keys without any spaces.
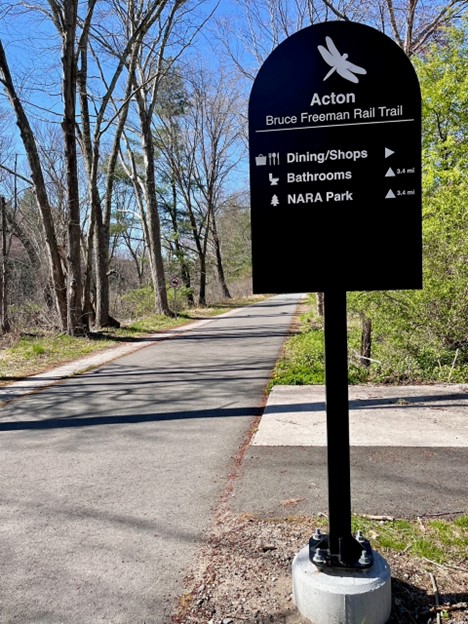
{"x":411,"y":23}
{"x":4,"y":280}
{"x":135,"y":19}
{"x":177,"y":139}
{"x":176,"y":143}
{"x":73,"y":22}
{"x":153,"y":61}
{"x":200,"y":146}
{"x":22,"y":224}
{"x":260,"y":26}
{"x":65,"y":18}
{"x":215,"y":106}
{"x":37,"y":178}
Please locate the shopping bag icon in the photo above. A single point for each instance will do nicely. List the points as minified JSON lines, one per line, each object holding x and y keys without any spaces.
{"x":260,"y":160}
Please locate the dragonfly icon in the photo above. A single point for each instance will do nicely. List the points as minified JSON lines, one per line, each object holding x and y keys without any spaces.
{"x":339,"y":62}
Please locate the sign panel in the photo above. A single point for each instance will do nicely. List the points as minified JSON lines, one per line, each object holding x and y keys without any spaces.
{"x":335,"y":164}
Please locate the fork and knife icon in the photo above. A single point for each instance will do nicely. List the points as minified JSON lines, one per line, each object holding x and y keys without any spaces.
{"x":273,"y":158}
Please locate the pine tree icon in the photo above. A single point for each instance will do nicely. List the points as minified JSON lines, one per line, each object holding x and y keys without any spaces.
{"x":274,"y":200}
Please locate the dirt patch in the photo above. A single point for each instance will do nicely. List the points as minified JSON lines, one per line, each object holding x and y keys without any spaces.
{"x":244,"y":576}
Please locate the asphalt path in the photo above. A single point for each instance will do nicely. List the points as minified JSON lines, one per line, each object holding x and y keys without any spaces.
{"x":109,"y":480}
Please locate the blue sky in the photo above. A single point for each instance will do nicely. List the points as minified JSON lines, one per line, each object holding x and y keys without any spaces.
{"x":32,"y":47}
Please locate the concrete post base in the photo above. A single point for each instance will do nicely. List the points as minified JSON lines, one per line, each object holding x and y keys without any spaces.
{"x":339,"y":596}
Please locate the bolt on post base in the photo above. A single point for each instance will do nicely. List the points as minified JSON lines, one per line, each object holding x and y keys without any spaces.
{"x":353,"y":553}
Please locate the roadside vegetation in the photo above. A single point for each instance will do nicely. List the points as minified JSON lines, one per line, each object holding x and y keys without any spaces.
{"x":437,"y":540}
{"x":400,"y":354}
{"x":428,"y":559}
{"x":28,"y":352}
{"x":413,"y":336}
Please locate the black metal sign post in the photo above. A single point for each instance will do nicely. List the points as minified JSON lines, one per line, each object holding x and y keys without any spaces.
{"x":336,"y":371}
{"x":339,"y":548}
{"x":335,"y":174}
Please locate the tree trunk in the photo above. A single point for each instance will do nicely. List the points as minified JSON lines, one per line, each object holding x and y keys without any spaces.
{"x":219,"y":260}
{"x":101,"y":262}
{"x":103,"y":259}
{"x":202,"y":289}
{"x":366,"y":341}
{"x":5,"y":323}
{"x":154,"y":227}
{"x":203,"y":273}
{"x":131,"y":170}
{"x":201,"y":251}
{"x":320,"y":304}
{"x":98,"y":241}
{"x":179,"y":252}
{"x":29,"y":142}
{"x":89,"y":313}
{"x":75,"y":325}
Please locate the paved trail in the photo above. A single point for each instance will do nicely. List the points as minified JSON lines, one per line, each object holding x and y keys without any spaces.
{"x":109,"y":479}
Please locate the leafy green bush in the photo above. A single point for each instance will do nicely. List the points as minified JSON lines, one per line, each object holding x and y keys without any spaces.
{"x":404,"y":349}
{"x":139,"y":302}
{"x":179,"y":298}
{"x":409,"y":342}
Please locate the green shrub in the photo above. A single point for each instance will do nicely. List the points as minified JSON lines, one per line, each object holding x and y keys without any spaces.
{"x":139,"y":302}
{"x":179,"y":298}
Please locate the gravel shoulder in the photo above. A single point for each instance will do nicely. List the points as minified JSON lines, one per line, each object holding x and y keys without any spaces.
{"x":244,"y":576}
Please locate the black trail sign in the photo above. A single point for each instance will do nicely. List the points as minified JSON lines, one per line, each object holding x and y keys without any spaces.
{"x":335,"y":169}
{"x":335,"y":164}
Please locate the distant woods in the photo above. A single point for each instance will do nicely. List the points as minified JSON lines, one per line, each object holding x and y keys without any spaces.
{"x":129,"y":118}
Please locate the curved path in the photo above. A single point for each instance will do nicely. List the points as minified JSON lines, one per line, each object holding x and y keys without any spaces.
{"x":108,"y":480}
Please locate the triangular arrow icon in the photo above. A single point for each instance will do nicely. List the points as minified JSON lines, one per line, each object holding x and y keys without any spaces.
{"x":390,"y":195}
{"x":388,"y":152}
{"x":390,"y":173}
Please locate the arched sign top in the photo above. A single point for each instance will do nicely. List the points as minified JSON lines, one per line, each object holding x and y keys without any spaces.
{"x":335,"y":163}
{"x":331,"y":64}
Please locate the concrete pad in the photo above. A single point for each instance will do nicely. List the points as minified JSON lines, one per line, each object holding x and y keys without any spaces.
{"x":403,"y":416}
{"x":338,"y":596}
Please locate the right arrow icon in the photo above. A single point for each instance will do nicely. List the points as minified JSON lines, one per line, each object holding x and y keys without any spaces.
{"x":388,"y":152}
